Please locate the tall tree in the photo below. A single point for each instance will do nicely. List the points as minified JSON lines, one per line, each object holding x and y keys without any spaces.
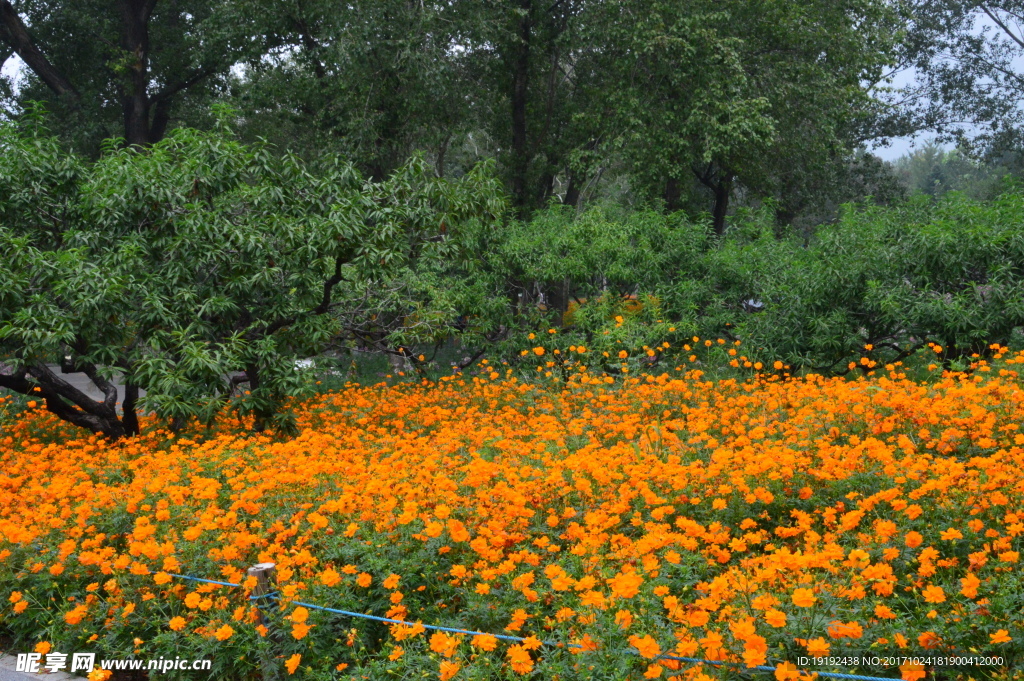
{"x":373,"y":80}
{"x":199,"y":263}
{"x":741,"y":93}
{"x":126,"y":68}
{"x":968,"y":80}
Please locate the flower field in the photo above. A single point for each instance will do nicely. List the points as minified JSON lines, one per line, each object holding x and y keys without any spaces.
{"x":606,"y":525}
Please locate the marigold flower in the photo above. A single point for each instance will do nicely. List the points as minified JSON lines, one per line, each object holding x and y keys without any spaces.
{"x":330,"y":577}
{"x":1001,"y":636}
{"x":519,"y":659}
{"x":804,"y":598}
{"x":646,"y":646}
{"x":448,"y":670}
{"x":817,"y":647}
{"x":934,"y":594}
{"x":484,"y":642}
{"x":626,"y":584}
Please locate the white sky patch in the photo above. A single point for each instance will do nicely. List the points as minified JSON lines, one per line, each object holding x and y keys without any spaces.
{"x":13,"y":68}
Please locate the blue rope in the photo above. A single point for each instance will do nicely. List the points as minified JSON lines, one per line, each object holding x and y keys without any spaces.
{"x":200,"y":579}
{"x":518,"y":639}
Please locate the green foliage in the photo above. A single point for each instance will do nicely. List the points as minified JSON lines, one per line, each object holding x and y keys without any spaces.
{"x":934,"y":171}
{"x":199,"y":257}
{"x":895,"y":278}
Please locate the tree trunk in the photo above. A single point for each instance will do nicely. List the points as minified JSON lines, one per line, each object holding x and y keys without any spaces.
{"x":135,"y":97}
{"x":259,"y":416}
{"x":572,"y":192}
{"x":719,"y":181}
{"x":723,"y":191}
{"x":673,"y":192}
{"x":14,"y":32}
{"x":129,"y":418}
{"x":520,"y":81}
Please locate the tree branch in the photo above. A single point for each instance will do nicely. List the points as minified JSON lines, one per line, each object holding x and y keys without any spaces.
{"x":16,"y":382}
{"x":177,"y":87}
{"x":14,"y":32}
{"x":999,"y":22}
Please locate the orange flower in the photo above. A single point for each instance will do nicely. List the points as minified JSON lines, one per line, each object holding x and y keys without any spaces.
{"x":448,"y":670}
{"x":1001,"y":636}
{"x":786,"y":671}
{"x":532,"y":643}
{"x":804,"y":598}
{"x":484,"y":642}
{"x":299,"y":631}
{"x":653,"y":671}
{"x":646,"y":646}
{"x":364,"y":580}
{"x":176,"y":623}
{"x":444,"y":644}
{"x":330,"y":577}
{"x":626,"y":584}
{"x":520,"y":660}
{"x":293,"y":663}
{"x":224,"y":633}
{"x":934,"y":594}
{"x":884,"y":612}
{"x":775,"y":618}
{"x":838,"y":629}
{"x":817,"y":647}
{"x":912,"y":672}
{"x":75,"y":615}
{"x":969,"y":585}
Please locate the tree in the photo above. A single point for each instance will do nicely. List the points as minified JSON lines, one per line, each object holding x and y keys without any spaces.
{"x":934,"y":171}
{"x":742,"y":94}
{"x":968,"y":82}
{"x":196,"y":265}
{"x":126,"y":68}
{"x":374,"y":80}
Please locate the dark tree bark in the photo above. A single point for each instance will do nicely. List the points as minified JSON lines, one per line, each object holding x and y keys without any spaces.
{"x":135,"y":98}
{"x":70,"y":404}
{"x":572,"y":192}
{"x":673,"y":193}
{"x":719,"y":181}
{"x":129,"y":418}
{"x":14,"y":32}
{"x":520,"y":58}
{"x":260,"y":416}
{"x":146,"y":114}
{"x":723,"y":191}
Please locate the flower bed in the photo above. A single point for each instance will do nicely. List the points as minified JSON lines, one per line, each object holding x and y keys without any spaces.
{"x":748,"y":522}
